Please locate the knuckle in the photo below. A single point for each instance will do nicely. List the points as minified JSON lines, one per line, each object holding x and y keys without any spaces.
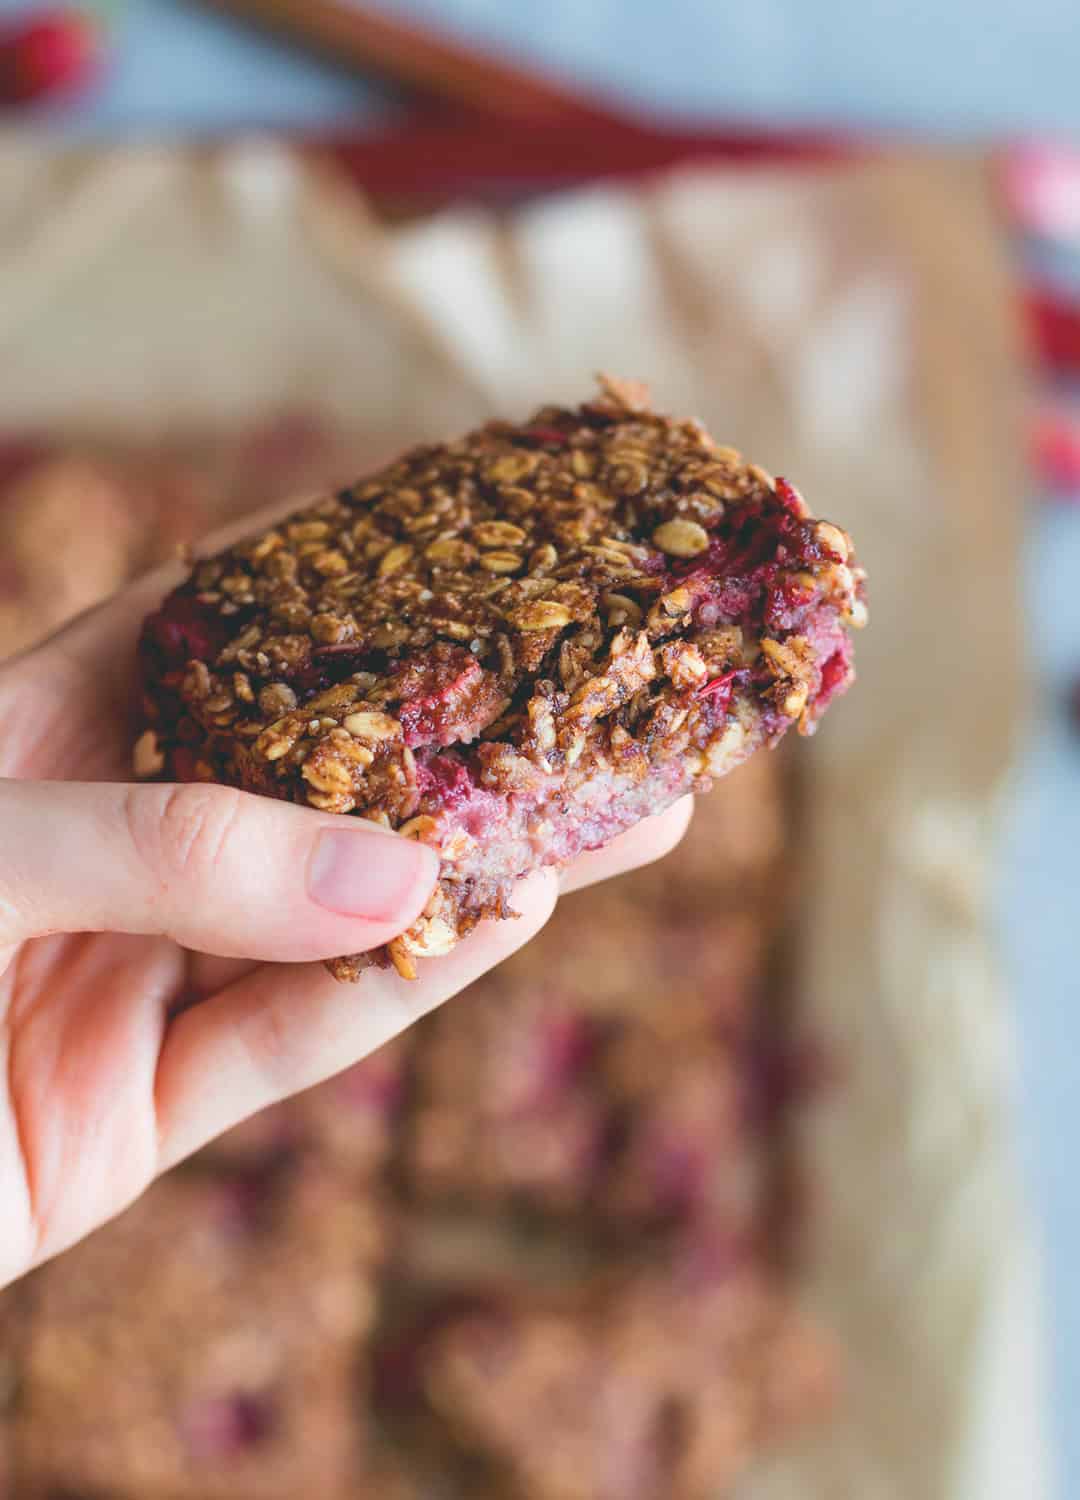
{"x":184,"y":833}
{"x":291,"y":1048}
{"x":273,"y":1051}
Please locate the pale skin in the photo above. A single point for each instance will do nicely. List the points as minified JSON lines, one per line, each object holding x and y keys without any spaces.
{"x":120,"y":904}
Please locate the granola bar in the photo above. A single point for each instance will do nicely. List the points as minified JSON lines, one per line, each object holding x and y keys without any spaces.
{"x":578,"y":1102}
{"x":661,"y":1385}
{"x":44,"y":580}
{"x":513,"y":646}
{"x":587,"y":1096}
{"x":204,"y":1345}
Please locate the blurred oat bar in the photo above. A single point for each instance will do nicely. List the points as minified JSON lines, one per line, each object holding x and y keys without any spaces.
{"x":79,"y":518}
{"x":607,"y":1061}
{"x":71,"y":531}
{"x":12,"y":1354}
{"x":203,"y":1345}
{"x":660,"y":1385}
{"x":578,"y":1113}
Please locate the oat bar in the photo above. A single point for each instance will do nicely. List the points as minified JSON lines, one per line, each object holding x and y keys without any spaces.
{"x":513,"y":646}
{"x":203,"y":1345}
{"x":587,"y":1096}
{"x":662,"y":1386}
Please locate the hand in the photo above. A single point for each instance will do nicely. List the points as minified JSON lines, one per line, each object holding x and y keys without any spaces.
{"x":156,"y":942}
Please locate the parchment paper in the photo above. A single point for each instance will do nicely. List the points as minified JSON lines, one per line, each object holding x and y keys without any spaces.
{"x":844,"y":326}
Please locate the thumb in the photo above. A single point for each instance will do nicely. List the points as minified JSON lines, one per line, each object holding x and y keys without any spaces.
{"x":216,"y":869}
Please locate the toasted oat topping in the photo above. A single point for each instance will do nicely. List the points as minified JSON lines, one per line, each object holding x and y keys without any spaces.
{"x":512,"y":646}
{"x":515,"y":585}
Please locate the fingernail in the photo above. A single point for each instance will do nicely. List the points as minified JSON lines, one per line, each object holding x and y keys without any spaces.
{"x":367,"y":875}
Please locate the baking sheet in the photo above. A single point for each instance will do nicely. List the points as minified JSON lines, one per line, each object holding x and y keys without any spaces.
{"x":845,"y":326}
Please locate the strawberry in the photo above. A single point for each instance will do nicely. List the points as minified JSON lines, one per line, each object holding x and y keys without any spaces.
{"x":49,"y":53}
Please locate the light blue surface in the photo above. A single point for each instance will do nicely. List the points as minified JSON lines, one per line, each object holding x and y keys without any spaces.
{"x":936,"y":67}
{"x":1040,"y":927}
{"x":176,"y":66}
{"x":942,"y":66}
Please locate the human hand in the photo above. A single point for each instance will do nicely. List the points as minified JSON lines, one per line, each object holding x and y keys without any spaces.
{"x":156,"y":942}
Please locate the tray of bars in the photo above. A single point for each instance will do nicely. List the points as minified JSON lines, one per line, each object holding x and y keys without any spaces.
{"x":696,"y":1192}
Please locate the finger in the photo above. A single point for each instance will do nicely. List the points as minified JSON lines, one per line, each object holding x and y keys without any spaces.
{"x":281,"y":1030}
{"x":213,"y":868}
{"x":648,"y":840}
{"x":207,"y":974}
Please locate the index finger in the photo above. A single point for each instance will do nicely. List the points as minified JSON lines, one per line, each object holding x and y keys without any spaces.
{"x":284,"y":1027}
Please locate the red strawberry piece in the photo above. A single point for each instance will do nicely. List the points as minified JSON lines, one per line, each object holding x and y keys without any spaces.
{"x":447,"y":700}
{"x":223,"y":1427}
{"x":783,"y":600}
{"x":52,"y":52}
{"x":1054,"y":327}
{"x":791,"y":498}
{"x":186,"y":629}
{"x":444,"y":778}
{"x":1056,"y":450}
{"x":719,"y":688}
{"x":835,"y":675}
{"x":545,"y":435}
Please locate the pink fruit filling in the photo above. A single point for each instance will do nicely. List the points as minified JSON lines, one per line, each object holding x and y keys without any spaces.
{"x":447,"y":700}
{"x":503,"y":835}
{"x":185,"y":629}
{"x":224,"y":1427}
{"x":373,"y":1087}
